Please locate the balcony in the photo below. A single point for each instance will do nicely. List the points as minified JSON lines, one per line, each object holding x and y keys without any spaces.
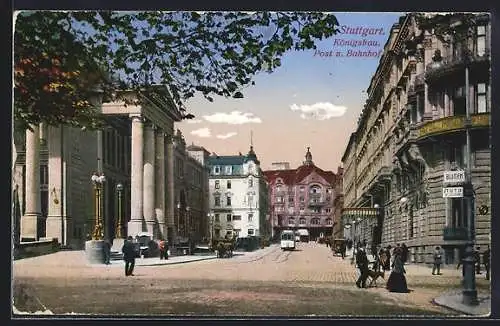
{"x":316,"y":202}
{"x":449,"y":66}
{"x":452,"y":124}
{"x":455,"y":233}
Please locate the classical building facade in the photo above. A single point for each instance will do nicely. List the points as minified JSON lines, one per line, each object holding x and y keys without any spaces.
{"x":191,"y":189}
{"x":238,"y":196}
{"x":412,"y":130}
{"x":53,"y":167}
{"x":302,"y":198}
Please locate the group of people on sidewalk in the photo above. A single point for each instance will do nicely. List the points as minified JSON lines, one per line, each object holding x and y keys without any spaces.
{"x":383,"y":262}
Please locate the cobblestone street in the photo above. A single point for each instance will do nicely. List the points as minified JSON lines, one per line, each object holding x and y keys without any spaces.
{"x":309,"y":280}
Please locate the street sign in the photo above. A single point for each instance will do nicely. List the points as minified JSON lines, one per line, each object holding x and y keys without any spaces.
{"x":454,"y":176}
{"x":453,"y":192}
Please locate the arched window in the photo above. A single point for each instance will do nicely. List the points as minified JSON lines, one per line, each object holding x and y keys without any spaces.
{"x":302,"y":221}
{"x":329,"y":221}
{"x":315,"y":189}
{"x":315,"y":221}
{"x":291,"y":221}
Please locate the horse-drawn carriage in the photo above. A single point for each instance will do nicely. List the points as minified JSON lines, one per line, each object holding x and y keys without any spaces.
{"x":338,"y":246}
{"x":223,"y":247}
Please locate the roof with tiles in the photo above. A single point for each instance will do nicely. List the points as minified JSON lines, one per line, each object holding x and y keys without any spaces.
{"x":294,"y":176}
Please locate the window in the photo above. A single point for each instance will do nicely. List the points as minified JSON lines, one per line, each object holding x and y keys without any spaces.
{"x":301,"y":199}
{"x":236,"y":217}
{"x":315,"y":221}
{"x":229,"y":233}
{"x":250,"y":217}
{"x":217,"y":184}
{"x":459,"y":102}
{"x":481,"y":40}
{"x":302,"y":188}
{"x":279,"y":199}
{"x":329,"y":221}
{"x":457,"y":213}
{"x":250,"y":201}
{"x":217,"y":201}
{"x":315,"y":190}
{"x":481,"y":106}
{"x":316,"y":210}
{"x":302,"y":221}
{"x":228,"y":217}
{"x":228,"y":170}
{"x":329,"y":190}
{"x":250,"y":182}
{"x":228,"y":184}
{"x":228,"y":201}
{"x":217,"y":170}
{"x":328,"y":210}
{"x":217,"y":217}
{"x":250,"y":232}
{"x":291,"y":221}
{"x":217,"y":233}
{"x":302,"y":208}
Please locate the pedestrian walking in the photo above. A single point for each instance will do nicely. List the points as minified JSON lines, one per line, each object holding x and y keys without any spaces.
{"x":343,"y":249}
{"x":397,"y":280}
{"x":129,"y":256}
{"x":362,"y":263}
{"x":404,"y":255}
{"x":387,"y":264}
{"x":162,"y":245}
{"x":477,"y":260}
{"x":486,"y":262}
{"x":438,"y":260}
{"x":107,"y":252}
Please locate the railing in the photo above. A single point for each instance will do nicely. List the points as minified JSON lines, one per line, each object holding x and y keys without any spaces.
{"x":455,"y":233}
{"x":451,"y":62}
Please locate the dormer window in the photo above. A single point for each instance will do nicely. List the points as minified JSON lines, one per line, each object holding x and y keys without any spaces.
{"x":216,"y":170}
{"x":228,"y":170}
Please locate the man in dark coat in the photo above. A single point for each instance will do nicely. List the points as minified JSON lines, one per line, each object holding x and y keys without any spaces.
{"x":107,"y":252}
{"x":362,"y":262}
{"x":387,"y":265}
{"x":129,"y":256}
{"x":404,"y":253}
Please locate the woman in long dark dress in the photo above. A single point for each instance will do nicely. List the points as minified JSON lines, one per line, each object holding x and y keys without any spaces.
{"x":397,"y":279}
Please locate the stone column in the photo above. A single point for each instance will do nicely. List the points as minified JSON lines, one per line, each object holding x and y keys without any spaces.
{"x":56,"y":222}
{"x":29,"y":221}
{"x":160,"y":182}
{"x":149,"y":178}
{"x":136,"y":176}
{"x":170,"y":187}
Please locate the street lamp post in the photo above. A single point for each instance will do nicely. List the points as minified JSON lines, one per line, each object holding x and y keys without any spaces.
{"x":469,"y":293}
{"x":98,"y":182}
{"x":119,"y":225}
{"x":178,"y":217}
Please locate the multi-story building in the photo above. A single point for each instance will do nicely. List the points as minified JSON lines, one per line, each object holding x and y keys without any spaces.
{"x":238,"y":196}
{"x":302,"y":198}
{"x":53,"y":165}
{"x":191,"y":189}
{"x":338,"y":204}
{"x":412,"y":130}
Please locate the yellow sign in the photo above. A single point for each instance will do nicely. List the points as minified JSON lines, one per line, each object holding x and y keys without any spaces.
{"x":453,"y":123}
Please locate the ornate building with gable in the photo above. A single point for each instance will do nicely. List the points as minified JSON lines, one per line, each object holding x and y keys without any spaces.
{"x":302,"y":198}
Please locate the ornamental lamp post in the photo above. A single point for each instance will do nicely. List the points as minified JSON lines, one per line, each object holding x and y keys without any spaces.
{"x":98,"y":182}
{"x":187,"y":222}
{"x":119,"y":225}
{"x":178,"y":217}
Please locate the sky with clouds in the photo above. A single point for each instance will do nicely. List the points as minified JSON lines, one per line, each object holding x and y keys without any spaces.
{"x":313,"y":100}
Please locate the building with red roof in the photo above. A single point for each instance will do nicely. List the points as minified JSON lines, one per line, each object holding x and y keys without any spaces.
{"x":302,"y":198}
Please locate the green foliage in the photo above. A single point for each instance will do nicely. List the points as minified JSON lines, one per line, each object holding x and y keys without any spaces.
{"x":214,"y":53}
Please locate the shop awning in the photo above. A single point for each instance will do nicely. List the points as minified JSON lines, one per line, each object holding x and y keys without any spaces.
{"x":352,"y":213}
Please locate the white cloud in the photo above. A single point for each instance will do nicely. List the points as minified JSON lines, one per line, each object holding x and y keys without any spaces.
{"x":226,"y":136}
{"x":194,"y":121}
{"x":319,"y":111}
{"x":202,"y":132}
{"x":233,"y":118}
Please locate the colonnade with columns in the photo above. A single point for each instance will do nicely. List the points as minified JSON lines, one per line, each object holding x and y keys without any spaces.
{"x":152,"y":186}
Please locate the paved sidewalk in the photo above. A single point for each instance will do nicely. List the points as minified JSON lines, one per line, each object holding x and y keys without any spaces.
{"x":453,"y":300}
